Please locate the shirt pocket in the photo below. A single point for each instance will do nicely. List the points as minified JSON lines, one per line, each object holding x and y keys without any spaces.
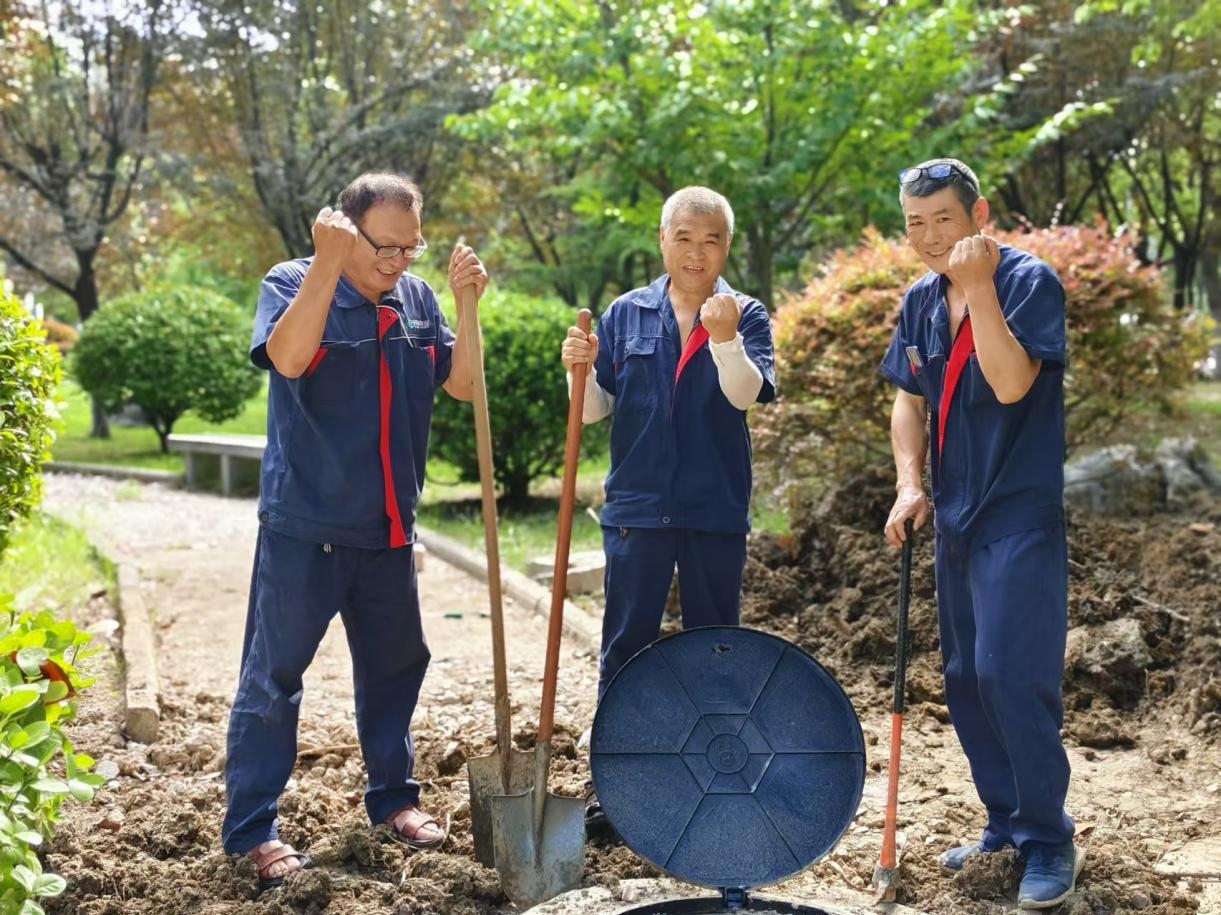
{"x":419,"y":358}
{"x":974,"y":388}
{"x":637,"y":375}
{"x":930,"y":378}
{"x":332,"y":382}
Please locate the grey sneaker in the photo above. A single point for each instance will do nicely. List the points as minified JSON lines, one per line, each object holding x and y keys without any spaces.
{"x":955,"y":858}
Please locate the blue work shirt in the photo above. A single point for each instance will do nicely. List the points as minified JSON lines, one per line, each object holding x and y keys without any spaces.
{"x":322,"y":475}
{"x":1003,"y":467}
{"x":680,"y":451}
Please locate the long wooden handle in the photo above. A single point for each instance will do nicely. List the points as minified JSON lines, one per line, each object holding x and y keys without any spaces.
{"x":889,"y":851}
{"x":563,"y":540}
{"x":469,"y":317}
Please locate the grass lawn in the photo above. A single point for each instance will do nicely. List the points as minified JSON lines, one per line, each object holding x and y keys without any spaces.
{"x":50,"y":565}
{"x":138,"y":446}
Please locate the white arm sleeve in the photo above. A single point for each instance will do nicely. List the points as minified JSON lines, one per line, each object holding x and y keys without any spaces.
{"x":741,"y":381}
{"x":599,"y":402}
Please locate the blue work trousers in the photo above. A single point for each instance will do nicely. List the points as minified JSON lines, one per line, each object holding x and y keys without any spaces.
{"x":296,"y":589}
{"x":1003,"y":610}
{"x":640,"y":565}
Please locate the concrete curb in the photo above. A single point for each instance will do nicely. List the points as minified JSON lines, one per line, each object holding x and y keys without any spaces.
{"x":117,"y":472}
{"x":141,"y":693}
{"x":578,"y":624}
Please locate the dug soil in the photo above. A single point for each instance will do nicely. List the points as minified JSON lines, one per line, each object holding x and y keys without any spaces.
{"x":1142,"y":725}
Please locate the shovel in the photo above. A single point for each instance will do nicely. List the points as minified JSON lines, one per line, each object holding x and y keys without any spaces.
{"x":539,"y":836}
{"x":886,"y":874}
{"x":505,"y":770}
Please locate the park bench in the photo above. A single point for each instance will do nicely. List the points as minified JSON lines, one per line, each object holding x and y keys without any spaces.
{"x":201,"y":450}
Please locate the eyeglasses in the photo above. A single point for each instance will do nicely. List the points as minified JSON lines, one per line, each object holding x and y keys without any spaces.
{"x":389,"y":251}
{"x":939,"y":172}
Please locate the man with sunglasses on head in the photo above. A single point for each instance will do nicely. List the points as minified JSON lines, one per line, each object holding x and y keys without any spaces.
{"x":355,"y":347}
{"x":978,"y":358}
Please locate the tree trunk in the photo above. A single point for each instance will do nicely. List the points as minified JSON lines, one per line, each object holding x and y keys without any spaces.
{"x":761,"y":266}
{"x":85,"y":294}
{"x":1210,"y":280}
{"x":100,"y":427}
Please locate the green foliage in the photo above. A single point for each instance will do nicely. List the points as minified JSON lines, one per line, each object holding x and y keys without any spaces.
{"x":39,"y":767}
{"x":527,"y":396}
{"x":29,"y":374}
{"x":1130,"y":130}
{"x":791,"y":109}
{"x":1128,"y":348}
{"x":168,"y":349}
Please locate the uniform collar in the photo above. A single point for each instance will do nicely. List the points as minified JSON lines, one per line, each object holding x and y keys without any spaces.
{"x":658,"y":291}
{"x":348,"y":296}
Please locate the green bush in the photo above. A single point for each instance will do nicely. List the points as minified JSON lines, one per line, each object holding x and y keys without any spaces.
{"x":38,"y":764}
{"x":29,"y":375}
{"x":168,"y":349}
{"x":1128,"y":348}
{"x":527,"y":397}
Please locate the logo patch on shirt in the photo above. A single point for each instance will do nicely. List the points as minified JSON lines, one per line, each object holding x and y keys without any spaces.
{"x":417,"y":323}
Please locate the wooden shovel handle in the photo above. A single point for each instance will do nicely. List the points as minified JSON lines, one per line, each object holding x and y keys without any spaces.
{"x":563,"y":539}
{"x":469,"y":316}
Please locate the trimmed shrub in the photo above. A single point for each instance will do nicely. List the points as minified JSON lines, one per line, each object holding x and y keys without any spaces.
{"x":38,"y":765}
{"x":1128,"y":348}
{"x":60,"y":335}
{"x":29,"y":376}
{"x":527,"y":397}
{"x":168,"y":349}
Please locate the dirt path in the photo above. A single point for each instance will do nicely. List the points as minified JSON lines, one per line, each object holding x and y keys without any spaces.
{"x":150,"y":846}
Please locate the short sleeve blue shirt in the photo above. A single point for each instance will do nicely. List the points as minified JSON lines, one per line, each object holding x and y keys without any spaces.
{"x":680,"y":451}
{"x":1003,"y":467}
{"x":322,"y":475}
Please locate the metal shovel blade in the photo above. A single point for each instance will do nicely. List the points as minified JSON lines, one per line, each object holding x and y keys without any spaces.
{"x":485,"y":774}
{"x":535,"y":867}
{"x":885,"y":884}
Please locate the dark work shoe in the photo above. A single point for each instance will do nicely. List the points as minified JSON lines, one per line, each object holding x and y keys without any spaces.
{"x":955,"y":858}
{"x":1050,"y":875}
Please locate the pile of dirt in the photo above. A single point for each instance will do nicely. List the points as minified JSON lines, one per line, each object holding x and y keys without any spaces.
{"x":1143,"y":594}
{"x":1141,"y":671}
{"x":153,"y":846}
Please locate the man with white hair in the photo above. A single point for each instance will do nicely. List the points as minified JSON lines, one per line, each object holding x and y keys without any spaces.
{"x":677,"y":363}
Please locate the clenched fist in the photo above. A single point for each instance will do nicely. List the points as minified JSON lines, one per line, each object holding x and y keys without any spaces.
{"x":334,"y":236}
{"x":720,"y":316}
{"x":973,"y":261}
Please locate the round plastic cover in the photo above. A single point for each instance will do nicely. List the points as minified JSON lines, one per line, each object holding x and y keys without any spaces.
{"x":727,"y":757}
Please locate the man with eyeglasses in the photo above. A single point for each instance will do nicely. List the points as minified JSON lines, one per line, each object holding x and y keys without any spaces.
{"x":978,"y":359}
{"x":355,"y":347}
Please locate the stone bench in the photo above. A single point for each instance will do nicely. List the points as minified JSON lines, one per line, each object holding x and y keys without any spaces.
{"x":228,"y":450}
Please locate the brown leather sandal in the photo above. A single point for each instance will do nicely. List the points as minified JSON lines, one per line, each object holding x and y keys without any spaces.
{"x":406,"y":824}
{"x":265,"y":859}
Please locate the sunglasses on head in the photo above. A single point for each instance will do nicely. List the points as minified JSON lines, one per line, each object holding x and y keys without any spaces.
{"x":939,"y":172}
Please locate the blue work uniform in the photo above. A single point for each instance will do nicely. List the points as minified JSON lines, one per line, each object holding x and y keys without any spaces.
{"x":347,"y":443}
{"x":678,"y":491}
{"x":1001,"y":555}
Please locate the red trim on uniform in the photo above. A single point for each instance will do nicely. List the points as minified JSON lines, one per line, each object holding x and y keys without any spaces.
{"x":964,"y":346}
{"x":316,"y":361}
{"x":699,"y":336}
{"x":387,"y":318}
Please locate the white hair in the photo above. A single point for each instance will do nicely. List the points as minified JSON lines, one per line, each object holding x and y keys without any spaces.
{"x":699,"y":200}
